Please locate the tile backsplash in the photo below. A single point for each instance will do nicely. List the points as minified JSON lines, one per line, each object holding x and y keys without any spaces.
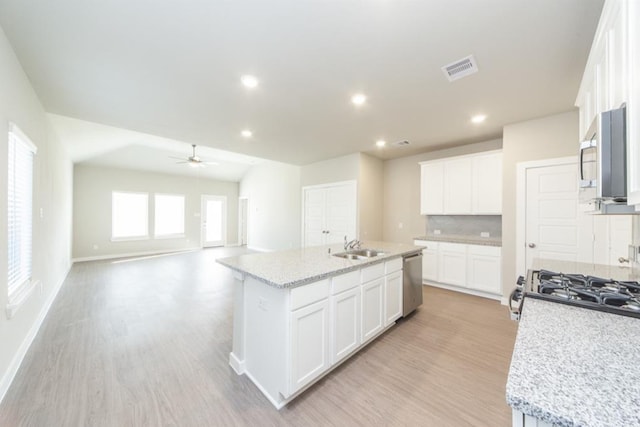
{"x":465,"y":225}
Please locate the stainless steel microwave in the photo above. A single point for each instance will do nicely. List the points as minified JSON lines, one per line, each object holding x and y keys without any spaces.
{"x":603,"y":161}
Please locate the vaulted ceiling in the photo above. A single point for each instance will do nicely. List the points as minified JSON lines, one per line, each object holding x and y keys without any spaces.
{"x":172,"y":69}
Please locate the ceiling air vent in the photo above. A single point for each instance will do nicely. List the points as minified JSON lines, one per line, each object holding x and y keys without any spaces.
{"x":461,"y":68}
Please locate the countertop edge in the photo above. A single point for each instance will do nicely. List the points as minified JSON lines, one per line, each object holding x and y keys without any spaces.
{"x":302,"y":282}
{"x":480,"y":241}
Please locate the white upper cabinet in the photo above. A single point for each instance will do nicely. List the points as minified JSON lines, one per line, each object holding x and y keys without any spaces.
{"x":464,"y":185}
{"x":487,"y":184}
{"x":612,"y":78}
{"x":432,"y":188}
{"x":457,"y":186}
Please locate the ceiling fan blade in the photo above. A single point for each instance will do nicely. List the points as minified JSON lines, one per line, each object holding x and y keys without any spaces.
{"x":176,"y":158}
{"x":182,"y":162}
{"x":211,"y":163}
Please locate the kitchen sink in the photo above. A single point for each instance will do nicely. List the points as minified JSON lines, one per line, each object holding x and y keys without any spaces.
{"x":359,"y":254}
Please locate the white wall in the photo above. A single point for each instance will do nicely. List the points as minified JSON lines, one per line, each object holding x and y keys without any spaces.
{"x":52,"y":193}
{"x":544,"y":138}
{"x":93,"y":186}
{"x":274,"y":206}
{"x":338,"y":169}
{"x":401,"y":193}
{"x":370,"y":197}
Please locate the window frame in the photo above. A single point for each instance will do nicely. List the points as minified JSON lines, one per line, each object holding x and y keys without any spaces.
{"x":155,"y":217}
{"x":146,"y":216}
{"x":18,"y":290}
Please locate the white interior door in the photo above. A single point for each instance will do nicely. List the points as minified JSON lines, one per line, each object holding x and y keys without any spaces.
{"x":314,"y":229}
{"x":243,"y":213}
{"x":214,"y":221}
{"x":340,"y":213}
{"x":555,"y":226}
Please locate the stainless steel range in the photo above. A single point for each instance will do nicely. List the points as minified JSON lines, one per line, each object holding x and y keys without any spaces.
{"x":596,"y":293}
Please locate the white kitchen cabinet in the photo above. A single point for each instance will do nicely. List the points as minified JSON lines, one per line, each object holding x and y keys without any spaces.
{"x":453,"y":262}
{"x":393,"y":297}
{"x":487,"y":184}
{"x":484,"y":268}
{"x":432,"y":188}
{"x":329,"y":213}
{"x":309,"y":343}
{"x":457,"y":186}
{"x":429,"y":260}
{"x":345,"y":308}
{"x":462,"y":185}
{"x":372,"y":304}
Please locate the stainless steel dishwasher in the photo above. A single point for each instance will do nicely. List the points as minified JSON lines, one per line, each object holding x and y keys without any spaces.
{"x":411,"y":282}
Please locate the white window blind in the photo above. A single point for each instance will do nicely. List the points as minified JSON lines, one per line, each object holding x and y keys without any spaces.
{"x":129,"y":215}
{"x":169,"y":215}
{"x":21,"y":152}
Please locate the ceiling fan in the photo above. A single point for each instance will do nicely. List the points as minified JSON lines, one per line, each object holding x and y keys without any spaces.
{"x":193,"y":160}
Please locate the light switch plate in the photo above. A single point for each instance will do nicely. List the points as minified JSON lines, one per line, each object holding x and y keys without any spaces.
{"x":436,"y":232}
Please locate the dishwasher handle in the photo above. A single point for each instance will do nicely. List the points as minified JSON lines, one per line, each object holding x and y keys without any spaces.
{"x":408,"y":257}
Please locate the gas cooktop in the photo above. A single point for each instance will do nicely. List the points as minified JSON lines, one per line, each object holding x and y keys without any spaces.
{"x":613,"y":296}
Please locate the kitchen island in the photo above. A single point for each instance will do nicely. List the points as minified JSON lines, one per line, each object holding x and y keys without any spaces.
{"x":298,"y":314}
{"x":574,"y":366}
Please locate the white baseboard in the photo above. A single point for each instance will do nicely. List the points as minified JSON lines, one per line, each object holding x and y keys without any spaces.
{"x":236,"y":364}
{"x":132,"y":254}
{"x":464,"y":290}
{"x":259,"y":249}
{"x":11,"y":372}
{"x":504,"y":301}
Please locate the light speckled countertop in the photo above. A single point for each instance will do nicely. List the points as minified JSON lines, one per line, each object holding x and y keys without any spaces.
{"x":468,"y":240}
{"x":288,"y":269}
{"x":576,"y":367}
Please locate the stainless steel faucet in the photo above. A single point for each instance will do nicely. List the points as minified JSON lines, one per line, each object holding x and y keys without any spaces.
{"x":353,"y":244}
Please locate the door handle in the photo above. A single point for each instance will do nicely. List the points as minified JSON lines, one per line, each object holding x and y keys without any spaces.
{"x":621,"y":260}
{"x":532,"y":245}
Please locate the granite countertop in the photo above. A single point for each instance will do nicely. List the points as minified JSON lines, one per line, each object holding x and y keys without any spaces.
{"x":575,"y":367}
{"x":288,"y":269}
{"x":469,"y":240}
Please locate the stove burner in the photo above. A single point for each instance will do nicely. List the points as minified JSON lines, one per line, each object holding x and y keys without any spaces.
{"x":632,"y":305}
{"x":590,"y":290}
{"x":565,"y":294}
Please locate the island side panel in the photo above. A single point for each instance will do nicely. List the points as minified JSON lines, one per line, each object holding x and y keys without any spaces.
{"x":237,"y":356}
{"x":266,"y":334}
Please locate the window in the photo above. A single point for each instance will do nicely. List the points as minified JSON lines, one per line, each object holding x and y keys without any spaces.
{"x":169,"y":215}
{"x":130,"y":216}
{"x":21,"y":152}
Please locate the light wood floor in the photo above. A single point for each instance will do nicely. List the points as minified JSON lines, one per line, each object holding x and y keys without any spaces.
{"x":146,"y":343}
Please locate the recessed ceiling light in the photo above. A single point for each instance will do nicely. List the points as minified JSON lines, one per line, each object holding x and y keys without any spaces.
{"x":358,"y":99}
{"x":381,"y":143}
{"x":249,"y":81}
{"x":478,"y":119}
{"x":246,"y":133}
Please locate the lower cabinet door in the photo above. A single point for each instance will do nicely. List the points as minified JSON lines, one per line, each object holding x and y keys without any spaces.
{"x":484,"y":273}
{"x":430,"y":263}
{"x":309,"y":343}
{"x":453,"y":262}
{"x":372,"y":308}
{"x":345,"y":329}
{"x":393,"y":297}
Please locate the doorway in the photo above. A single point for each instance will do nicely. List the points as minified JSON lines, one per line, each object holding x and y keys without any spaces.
{"x":243,"y":213}
{"x":213,"y":221}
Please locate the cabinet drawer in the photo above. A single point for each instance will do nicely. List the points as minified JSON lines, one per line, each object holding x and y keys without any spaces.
{"x":345,"y":282}
{"x":308,"y":294}
{"x":392,"y":265}
{"x":372,"y":272}
{"x":484,"y":250}
{"x":427,"y":244}
{"x":453,"y":247}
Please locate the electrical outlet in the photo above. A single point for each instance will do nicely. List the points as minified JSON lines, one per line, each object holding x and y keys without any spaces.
{"x":436,"y":232}
{"x":485,"y":234}
{"x":262,"y":304}
{"x":400,"y":225}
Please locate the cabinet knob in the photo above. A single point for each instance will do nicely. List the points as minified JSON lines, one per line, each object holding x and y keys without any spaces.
{"x":532,"y":245}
